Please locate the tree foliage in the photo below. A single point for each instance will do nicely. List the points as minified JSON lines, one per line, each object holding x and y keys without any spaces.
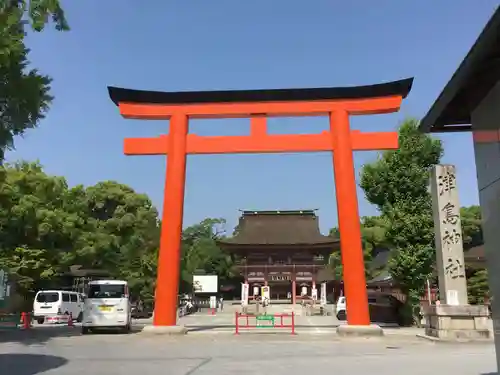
{"x":46,"y":227}
{"x":477,"y":278}
{"x":397,"y":183}
{"x":200,"y":253}
{"x":24,"y":92}
{"x":472,"y":232}
{"x":34,"y":225}
{"x":477,"y":287}
{"x":373,"y":230}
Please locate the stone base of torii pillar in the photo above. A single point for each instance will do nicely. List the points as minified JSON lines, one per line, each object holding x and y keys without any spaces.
{"x":360,"y":331}
{"x":165,"y":330}
{"x":457,"y":323}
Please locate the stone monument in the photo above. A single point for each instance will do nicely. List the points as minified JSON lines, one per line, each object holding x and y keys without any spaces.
{"x":453,"y":318}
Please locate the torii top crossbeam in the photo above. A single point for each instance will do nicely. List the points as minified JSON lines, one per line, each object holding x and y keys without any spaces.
{"x":259,"y":104}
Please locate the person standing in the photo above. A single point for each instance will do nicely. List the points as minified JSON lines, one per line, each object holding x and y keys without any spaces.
{"x":265,"y":303}
{"x":221,"y":302}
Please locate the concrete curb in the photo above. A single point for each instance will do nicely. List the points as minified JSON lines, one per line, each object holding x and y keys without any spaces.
{"x":444,"y":341}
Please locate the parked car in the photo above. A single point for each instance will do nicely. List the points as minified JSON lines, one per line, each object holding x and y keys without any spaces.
{"x":340,"y":308}
{"x":384,"y":308}
{"x":107,"y":306}
{"x":52,"y":304}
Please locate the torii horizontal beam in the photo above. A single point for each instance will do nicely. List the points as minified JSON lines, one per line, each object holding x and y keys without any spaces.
{"x":363,"y":106}
{"x":261,"y":144}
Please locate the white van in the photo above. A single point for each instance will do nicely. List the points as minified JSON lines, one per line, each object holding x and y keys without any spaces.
{"x":107,"y":306}
{"x":341,"y":308}
{"x":50,"y":305}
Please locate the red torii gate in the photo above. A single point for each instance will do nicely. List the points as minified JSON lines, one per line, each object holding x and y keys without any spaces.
{"x":337,"y":103}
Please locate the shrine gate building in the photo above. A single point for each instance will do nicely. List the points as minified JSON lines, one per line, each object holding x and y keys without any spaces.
{"x":282,"y":249}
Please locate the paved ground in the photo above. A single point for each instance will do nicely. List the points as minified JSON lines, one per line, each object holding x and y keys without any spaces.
{"x":210,"y":349}
{"x":225,"y":323}
{"x":62,"y":351}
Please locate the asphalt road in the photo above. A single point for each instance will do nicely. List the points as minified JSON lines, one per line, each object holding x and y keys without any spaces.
{"x":60,"y":350}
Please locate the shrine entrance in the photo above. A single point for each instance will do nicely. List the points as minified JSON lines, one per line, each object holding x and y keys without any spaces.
{"x":336,"y":103}
{"x":283,"y":250}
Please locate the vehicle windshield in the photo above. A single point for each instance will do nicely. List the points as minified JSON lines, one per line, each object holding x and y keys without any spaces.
{"x":106,"y":291}
{"x":47,"y":297}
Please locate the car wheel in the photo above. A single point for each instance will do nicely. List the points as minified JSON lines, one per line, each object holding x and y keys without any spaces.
{"x":40,"y":320}
{"x":85,"y":330}
{"x":341,"y":315}
{"x":127,"y":329}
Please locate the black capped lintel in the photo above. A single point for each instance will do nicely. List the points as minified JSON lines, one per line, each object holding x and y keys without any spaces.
{"x":122,"y":95}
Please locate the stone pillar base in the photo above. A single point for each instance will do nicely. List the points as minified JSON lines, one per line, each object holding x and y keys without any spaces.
{"x":457,"y":323}
{"x":165,"y":330}
{"x":360,"y":331}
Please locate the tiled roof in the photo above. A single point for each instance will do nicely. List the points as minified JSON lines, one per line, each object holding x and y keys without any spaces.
{"x":279,"y":228}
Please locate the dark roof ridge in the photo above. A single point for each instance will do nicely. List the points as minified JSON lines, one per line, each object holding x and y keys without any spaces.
{"x":123,"y":95}
{"x":271,"y":228}
{"x":279,"y":212}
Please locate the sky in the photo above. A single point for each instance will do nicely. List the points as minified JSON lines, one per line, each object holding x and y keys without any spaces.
{"x":221,"y":44}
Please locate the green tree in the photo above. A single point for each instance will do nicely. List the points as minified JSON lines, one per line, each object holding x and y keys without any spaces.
{"x":36,"y":231}
{"x":397,"y":183}
{"x":335,"y":259}
{"x":373,"y":230}
{"x":45,"y":227}
{"x":477,"y":279}
{"x":201,"y":253}
{"x":477,"y":287}
{"x":471,"y":226}
{"x":118,"y":232}
{"x":24,"y":92}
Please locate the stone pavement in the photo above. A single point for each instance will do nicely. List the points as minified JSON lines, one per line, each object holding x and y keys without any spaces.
{"x":224,"y":322}
{"x":62,"y":351}
{"x":210,"y":348}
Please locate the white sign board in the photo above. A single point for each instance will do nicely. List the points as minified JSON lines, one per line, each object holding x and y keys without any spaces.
{"x":244,"y":294}
{"x":452,"y":297}
{"x":323,"y":293}
{"x":3,"y":284}
{"x":213,"y":302}
{"x":205,"y":284}
{"x":314,"y":294}
{"x":266,"y":292}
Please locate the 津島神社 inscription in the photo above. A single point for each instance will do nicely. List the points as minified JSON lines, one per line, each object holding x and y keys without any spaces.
{"x":449,"y":244}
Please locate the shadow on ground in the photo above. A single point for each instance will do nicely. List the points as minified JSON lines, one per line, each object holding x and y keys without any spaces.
{"x":37,"y":335}
{"x":29,"y":364}
{"x":41,"y":335}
